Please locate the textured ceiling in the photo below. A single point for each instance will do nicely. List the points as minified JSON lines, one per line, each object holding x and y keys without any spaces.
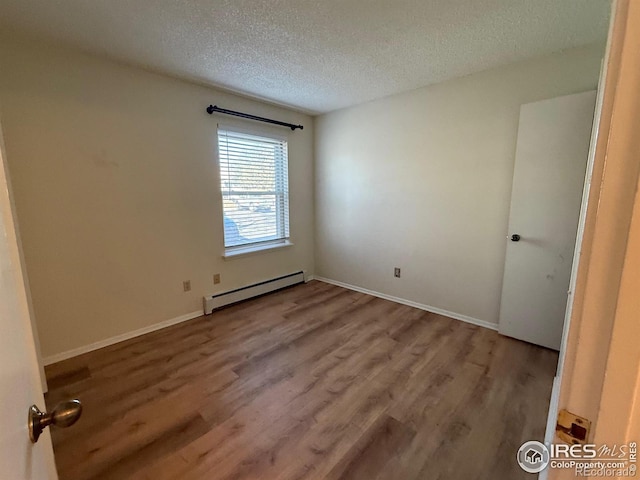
{"x":314,"y":55}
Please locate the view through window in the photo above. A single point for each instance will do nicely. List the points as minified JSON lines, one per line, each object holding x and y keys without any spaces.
{"x":255,"y":188}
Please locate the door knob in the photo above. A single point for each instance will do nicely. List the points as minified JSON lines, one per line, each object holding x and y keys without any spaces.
{"x":63,"y":415}
{"x":515,"y":237}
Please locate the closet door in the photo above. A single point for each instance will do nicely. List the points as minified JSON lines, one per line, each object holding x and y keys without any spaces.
{"x":548,"y":180}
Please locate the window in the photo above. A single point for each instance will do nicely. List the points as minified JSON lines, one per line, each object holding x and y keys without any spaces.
{"x":255,"y":190}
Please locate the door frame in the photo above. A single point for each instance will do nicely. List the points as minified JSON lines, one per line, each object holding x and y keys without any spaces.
{"x":598,"y":371}
{"x":580,"y":236}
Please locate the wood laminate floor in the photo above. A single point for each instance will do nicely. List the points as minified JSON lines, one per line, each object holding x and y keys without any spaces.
{"x":311,"y":382}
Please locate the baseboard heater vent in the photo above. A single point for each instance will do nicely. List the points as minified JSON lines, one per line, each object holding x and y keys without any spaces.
{"x":218,"y":300}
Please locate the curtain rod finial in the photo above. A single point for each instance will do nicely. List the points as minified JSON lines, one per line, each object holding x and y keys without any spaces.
{"x":210,"y":109}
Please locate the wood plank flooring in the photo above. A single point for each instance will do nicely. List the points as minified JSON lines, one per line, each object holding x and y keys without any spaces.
{"x":311,"y":382}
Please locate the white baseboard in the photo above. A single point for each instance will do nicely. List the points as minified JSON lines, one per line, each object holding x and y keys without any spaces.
{"x":421,"y":306}
{"x":58,"y":357}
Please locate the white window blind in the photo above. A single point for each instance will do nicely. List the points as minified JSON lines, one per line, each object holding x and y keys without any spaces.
{"x":255,"y":188}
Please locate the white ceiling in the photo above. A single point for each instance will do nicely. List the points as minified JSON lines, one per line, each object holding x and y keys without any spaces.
{"x":314,"y":55}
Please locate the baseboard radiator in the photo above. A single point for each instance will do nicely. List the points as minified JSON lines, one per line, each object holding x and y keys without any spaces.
{"x":219,"y":300}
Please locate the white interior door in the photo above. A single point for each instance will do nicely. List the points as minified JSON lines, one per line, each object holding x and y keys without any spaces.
{"x":548,"y":179}
{"x":20,"y":384}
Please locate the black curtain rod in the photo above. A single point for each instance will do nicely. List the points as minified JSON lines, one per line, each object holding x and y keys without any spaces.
{"x":214,"y":108}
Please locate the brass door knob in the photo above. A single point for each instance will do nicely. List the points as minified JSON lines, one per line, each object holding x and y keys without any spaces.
{"x":63,"y":415}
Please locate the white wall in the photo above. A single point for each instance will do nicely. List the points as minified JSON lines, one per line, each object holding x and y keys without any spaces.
{"x":422,"y":181}
{"x":117,"y":192}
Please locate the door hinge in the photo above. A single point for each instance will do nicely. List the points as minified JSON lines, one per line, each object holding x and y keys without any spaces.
{"x":572,"y":429}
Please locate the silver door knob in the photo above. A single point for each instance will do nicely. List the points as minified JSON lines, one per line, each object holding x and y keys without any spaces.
{"x":63,"y":415}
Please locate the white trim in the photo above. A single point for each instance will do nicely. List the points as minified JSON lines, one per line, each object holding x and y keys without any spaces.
{"x":577,"y":252}
{"x":240,"y":251}
{"x":551,"y":421}
{"x":58,"y":357}
{"x":554,"y":405}
{"x":410,"y":303}
{"x":553,"y":411}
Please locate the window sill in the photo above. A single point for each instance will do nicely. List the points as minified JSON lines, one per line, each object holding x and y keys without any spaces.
{"x":253,"y":249}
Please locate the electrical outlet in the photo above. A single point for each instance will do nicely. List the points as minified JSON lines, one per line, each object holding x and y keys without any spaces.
{"x":396,"y":272}
{"x":216,"y":278}
{"x":186,"y":285}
